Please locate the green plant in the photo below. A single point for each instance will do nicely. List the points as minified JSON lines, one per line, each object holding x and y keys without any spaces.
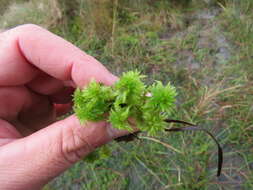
{"x":148,"y":107}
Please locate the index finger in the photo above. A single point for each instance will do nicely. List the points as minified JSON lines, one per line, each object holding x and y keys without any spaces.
{"x":28,"y":47}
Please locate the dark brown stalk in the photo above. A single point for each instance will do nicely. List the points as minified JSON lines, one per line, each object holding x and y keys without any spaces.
{"x":191,"y":127}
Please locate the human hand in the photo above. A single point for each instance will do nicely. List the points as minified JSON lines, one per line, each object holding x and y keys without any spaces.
{"x":37,"y":70}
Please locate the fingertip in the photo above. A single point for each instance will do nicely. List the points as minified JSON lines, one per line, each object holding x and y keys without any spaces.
{"x":84,"y":70}
{"x":62,"y":109}
{"x":111,"y":79}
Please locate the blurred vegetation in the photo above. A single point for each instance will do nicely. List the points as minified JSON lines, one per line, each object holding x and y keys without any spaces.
{"x":204,"y":47}
{"x":45,"y":13}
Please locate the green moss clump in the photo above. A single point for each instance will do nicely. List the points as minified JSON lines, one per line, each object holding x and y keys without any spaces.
{"x":148,"y":106}
{"x":93,"y":102}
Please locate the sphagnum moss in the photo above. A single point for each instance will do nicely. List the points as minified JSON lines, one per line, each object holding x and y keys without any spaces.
{"x":127,"y":98}
{"x":149,"y":107}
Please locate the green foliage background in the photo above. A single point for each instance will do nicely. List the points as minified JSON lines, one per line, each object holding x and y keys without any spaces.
{"x":204,"y":47}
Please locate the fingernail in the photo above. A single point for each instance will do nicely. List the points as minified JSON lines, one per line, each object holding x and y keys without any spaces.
{"x":114,"y":133}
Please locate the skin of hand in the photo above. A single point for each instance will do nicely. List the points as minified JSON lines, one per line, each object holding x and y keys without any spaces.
{"x":38,"y":73}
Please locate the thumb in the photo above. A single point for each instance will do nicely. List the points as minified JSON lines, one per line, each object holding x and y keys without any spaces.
{"x":30,"y":162}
